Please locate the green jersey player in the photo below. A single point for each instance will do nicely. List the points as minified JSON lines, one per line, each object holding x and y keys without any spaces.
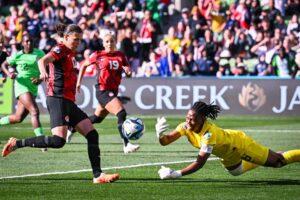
{"x":26,"y":76}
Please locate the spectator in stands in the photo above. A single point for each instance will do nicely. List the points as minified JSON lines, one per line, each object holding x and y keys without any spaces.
{"x":45,"y":42}
{"x":293,"y":24}
{"x":163,"y":64}
{"x":218,"y":17}
{"x":281,"y":64}
{"x":146,"y":30}
{"x":258,"y":27}
{"x":149,"y":68}
{"x":60,"y":16}
{"x":128,"y":49}
{"x":224,"y":68}
{"x":185,"y":18}
{"x":240,"y":70}
{"x":174,"y":50}
{"x":210,"y":46}
{"x":262,"y":68}
{"x":73,"y":11}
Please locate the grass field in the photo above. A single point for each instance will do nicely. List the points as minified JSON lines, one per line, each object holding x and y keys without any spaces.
{"x":139,"y":178}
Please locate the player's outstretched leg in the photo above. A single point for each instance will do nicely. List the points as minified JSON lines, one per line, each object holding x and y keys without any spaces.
{"x":36,"y":142}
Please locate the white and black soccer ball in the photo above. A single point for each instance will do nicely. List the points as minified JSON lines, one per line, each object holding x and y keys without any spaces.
{"x":133,"y":128}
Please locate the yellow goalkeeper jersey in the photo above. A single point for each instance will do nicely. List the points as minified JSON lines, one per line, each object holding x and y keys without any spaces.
{"x":223,"y":141}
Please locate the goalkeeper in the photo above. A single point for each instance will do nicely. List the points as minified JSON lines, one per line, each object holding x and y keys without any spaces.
{"x":238,"y":152}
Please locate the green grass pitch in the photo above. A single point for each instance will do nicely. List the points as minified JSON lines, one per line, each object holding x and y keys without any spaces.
{"x":142,"y":182}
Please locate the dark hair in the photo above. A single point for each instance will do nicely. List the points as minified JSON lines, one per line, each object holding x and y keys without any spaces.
{"x":207,"y":110}
{"x":63,"y":29}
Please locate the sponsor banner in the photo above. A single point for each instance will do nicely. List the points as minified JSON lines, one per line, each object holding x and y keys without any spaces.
{"x":175,"y":96}
{"x":6,"y":96}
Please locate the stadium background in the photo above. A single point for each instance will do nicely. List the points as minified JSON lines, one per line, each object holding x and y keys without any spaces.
{"x":207,"y":43}
{"x":233,"y":82}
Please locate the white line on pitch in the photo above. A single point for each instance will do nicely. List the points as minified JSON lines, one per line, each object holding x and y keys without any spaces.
{"x":106,"y":168}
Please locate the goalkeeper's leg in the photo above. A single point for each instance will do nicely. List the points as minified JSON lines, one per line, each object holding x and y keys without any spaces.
{"x":278,"y":160}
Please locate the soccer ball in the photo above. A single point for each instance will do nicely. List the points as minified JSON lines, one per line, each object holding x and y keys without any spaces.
{"x":133,"y":128}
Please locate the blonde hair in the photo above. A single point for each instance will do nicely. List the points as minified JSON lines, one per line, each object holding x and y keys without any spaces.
{"x":106,"y":32}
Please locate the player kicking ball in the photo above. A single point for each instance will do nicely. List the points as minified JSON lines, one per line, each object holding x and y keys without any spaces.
{"x":61,"y":89}
{"x":238,"y":152}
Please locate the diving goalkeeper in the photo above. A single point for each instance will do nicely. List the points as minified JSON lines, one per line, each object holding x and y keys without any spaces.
{"x":238,"y":152}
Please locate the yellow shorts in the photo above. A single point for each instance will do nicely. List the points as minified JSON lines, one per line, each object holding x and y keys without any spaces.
{"x":252,"y":152}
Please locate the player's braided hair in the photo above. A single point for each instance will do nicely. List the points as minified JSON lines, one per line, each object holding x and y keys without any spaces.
{"x":207,"y":110}
{"x":63,"y":29}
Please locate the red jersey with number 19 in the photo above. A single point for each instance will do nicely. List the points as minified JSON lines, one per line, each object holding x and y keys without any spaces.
{"x":62,"y":73}
{"x":110,"y":66}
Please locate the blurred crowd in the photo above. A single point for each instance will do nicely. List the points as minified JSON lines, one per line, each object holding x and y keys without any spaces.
{"x":213,"y":38}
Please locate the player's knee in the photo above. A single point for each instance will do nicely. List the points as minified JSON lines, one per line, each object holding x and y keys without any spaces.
{"x":96,"y":119}
{"x":278,"y":163}
{"x":34,"y":112}
{"x":121,"y":116}
{"x":18,"y":119}
{"x":237,"y":171}
{"x":56,"y":142}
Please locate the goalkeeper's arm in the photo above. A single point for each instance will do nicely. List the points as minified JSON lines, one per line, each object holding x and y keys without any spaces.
{"x":162,"y":126}
{"x":169,"y":138}
{"x":198,"y":164}
{"x":168,"y":173}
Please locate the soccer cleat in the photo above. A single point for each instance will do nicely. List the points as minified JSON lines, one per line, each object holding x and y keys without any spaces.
{"x":70,"y":134}
{"x":106,"y":178}
{"x":9,"y":147}
{"x":129,"y":148}
{"x":44,"y":150}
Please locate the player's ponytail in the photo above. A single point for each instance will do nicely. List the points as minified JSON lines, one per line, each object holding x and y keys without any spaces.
{"x":207,"y":110}
{"x":63,"y":29}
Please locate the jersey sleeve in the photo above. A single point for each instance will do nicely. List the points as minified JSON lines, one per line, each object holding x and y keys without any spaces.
{"x":57,"y":52}
{"x":181,"y":129}
{"x":208,"y":140}
{"x":11,"y":60}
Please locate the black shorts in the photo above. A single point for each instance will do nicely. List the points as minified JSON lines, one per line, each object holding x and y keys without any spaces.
{"x":64,"y":112}
{"x":105,"y":96}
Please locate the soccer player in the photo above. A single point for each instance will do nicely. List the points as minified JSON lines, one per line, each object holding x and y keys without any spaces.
{"x":61,"y":88}
{"x":26,"y":84}
{"x":238,"y":152}
{"x":110,"y":65}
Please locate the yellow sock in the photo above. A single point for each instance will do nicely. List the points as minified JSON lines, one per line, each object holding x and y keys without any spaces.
{"x":247,"y":166}
{"x":292,"y":156}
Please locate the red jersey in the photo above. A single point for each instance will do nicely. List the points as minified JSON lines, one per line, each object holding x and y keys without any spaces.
{"x":62,"y":73}
{"x":110,"y":67}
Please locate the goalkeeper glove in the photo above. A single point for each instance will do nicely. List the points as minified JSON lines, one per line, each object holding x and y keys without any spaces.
{"x":161,"y":126}
{"x":167,"y":173}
